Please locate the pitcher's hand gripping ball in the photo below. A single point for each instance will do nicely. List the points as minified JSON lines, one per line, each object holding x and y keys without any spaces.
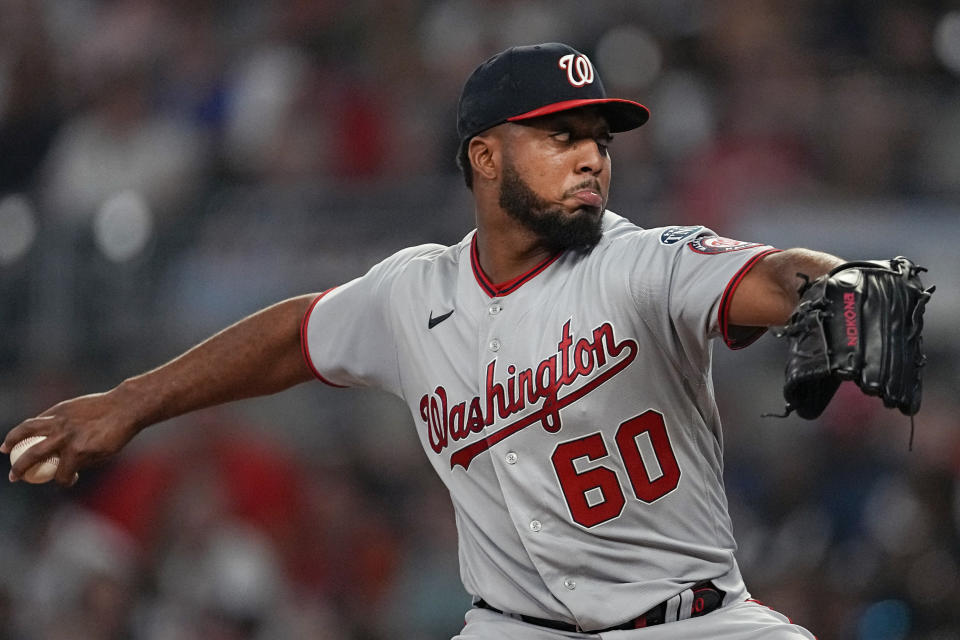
{"x":41,"y":472}
{"x":862,"y":321}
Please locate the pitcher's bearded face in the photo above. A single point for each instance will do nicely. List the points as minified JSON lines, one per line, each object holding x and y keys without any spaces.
{"x":557,"y":229}
{"x":555,"y":176}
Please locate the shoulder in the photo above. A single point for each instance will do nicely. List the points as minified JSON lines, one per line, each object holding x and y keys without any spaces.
{"x":698,"y":240}
{"x":419,"y":253}
{"x":418,"y":267}
{"x":620,"y":233}
{"x":418,"y":256}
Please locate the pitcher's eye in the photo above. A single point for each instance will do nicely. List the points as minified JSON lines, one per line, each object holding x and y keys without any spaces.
{"x":603,"y":143}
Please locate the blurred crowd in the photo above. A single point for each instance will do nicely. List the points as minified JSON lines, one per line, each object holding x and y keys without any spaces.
{"x":169,"y":167}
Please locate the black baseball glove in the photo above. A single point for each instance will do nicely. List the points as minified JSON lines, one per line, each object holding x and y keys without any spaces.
{"x":861,"y":321}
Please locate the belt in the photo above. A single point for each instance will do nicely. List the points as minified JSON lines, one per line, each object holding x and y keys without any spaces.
{"x":698,"y":600}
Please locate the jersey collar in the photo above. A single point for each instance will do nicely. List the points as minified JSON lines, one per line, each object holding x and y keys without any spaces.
{"x":504,"y":288}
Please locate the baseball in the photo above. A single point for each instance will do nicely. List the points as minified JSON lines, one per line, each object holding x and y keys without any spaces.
{"x":40,"y":472}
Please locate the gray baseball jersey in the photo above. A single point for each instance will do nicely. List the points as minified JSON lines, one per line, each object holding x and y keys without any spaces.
{"x":570,"y":411}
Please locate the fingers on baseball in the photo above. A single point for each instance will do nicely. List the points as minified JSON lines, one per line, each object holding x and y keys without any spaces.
{"x":31,"y":427}
{"x":66,"y":474}
{"x":31,"y":459}
{"x":45,"y":445}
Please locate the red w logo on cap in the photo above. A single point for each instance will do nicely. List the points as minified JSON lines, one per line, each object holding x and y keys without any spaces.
{"x":579,"y":69}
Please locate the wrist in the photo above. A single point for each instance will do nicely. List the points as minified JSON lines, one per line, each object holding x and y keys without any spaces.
{"x":139,"y":402}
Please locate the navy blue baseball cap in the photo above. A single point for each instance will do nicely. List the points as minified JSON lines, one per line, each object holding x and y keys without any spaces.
{"x":536,"y":80}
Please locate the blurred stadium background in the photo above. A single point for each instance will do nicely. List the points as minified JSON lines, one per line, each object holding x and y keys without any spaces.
{"x":168,"y":167}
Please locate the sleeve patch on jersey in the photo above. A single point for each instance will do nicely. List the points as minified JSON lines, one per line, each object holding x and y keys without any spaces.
{"x":673,"y":235}
{"x":712,"y":245}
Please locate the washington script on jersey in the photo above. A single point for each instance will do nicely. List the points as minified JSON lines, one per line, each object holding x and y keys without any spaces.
{"x":543,"y":383}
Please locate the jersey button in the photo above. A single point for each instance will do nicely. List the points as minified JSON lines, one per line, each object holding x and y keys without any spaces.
{"x":494,"y":345}
{"x":495,"y":308}
{"x":511,"y":457}
{"x":535,"y":525}
{"x":570,"y":583}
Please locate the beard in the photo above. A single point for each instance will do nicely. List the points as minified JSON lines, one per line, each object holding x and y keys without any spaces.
{"x":556,"y":230}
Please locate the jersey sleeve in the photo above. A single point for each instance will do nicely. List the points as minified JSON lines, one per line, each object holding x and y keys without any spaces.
{"x":690,"y":276}
{"x":347,"y":335}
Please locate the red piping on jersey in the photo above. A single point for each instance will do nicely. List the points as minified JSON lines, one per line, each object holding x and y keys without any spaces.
{"x":305,"y":350}
{"x":727,"y":297}
{"x":504,"y":288}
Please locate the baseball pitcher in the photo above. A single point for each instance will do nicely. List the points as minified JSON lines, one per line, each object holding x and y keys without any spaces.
{"x":557,"y":364}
